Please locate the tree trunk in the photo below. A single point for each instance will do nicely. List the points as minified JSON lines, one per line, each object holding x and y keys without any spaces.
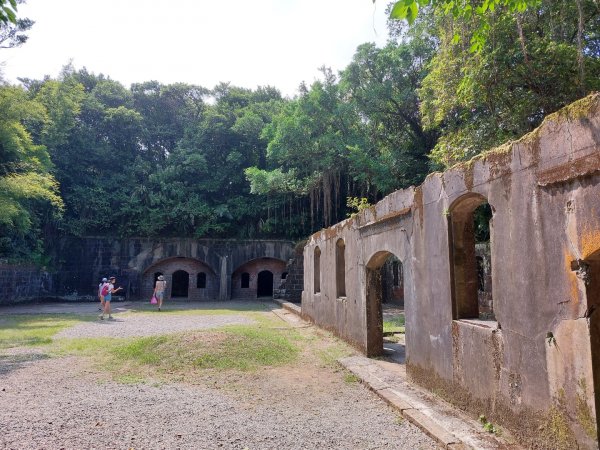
{"x":580,"y":58}
{"x":522,"y":40}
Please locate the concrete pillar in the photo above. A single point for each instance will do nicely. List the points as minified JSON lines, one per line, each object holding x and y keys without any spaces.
{"x":225,"y":285}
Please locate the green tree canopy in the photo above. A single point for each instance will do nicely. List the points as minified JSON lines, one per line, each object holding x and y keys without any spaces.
{"x":528,"y":68}
{"x":28,"y":191}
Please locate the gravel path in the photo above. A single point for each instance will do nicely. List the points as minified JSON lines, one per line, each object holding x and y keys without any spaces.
{"x":151,"y":325}
{"x":65,"y":403}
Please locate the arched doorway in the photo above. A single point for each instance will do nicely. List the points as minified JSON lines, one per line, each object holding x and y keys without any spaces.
{"x":264,"y":286}
{"x":248,"y":281}
{"x":198,"y":281}
{"x":181,"y":282}
{"x":392,"y":319}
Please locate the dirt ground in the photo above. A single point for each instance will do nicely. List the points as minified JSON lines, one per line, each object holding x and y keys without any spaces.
{"x":49,"y":401}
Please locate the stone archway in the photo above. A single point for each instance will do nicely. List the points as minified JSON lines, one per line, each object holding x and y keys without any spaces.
{"x":198,"y":282}
{"x":374,"y":301}
{"x":247,"y":281}
{"x":264,"y":287}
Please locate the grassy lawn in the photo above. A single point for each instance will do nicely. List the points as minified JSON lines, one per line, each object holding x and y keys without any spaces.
{"x":34,"y":330}
{"x":394,"y":324}
{"x":231,"y":348}
{"x":269,"y":342}
{"x":209,"y":309}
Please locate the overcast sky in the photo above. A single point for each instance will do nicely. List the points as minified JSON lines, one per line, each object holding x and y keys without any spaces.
{"x":246,"y":42}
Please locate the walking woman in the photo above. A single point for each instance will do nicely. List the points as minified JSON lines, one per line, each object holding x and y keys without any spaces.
{"x":159,"y":290}
{"x":108,"y":297}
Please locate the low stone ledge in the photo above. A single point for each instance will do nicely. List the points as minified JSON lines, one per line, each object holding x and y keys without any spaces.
{"x":430,"y":427}
{"x":289,"y":306}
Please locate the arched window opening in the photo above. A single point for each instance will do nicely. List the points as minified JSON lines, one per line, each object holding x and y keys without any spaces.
{"x":181,"y":282}
{"x":245,"y":280}
{"x":470,"y":228}
{"x":340,"y":268}
{"x":284,"y":275}
{"x":317,"y":271}
{"x":201,"y":280}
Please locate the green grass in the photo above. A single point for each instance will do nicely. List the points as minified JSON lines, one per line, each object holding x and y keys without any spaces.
{"x":33,"y":330}
{"x":329,"y":355}
{"x":351,"y":378}
{"x":394,"y":325}
{"x":243,"y":348}
{"x":268,"y":342}
{"x":249,"y":349}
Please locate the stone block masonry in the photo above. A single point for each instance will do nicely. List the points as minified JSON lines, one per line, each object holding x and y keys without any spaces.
{"x":22,"y":284}
{"x":292,"y":286}
{"x":195,"y":269}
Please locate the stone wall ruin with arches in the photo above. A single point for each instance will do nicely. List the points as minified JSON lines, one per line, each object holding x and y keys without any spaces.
{"x":522,"y":344}
{"x":198,"y":269}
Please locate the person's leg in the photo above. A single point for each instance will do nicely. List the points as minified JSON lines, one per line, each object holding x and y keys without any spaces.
{"x":108,"y":309}
{"x":160,"y":297}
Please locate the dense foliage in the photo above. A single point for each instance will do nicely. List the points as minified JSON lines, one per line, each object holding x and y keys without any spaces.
{"x":532,"y":64}
{"x":84,"y":155}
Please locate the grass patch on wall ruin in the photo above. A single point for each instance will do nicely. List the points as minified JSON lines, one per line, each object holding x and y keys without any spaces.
{"x":584,"y":414}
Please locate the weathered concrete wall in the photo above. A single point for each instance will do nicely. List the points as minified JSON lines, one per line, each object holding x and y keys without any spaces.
{"x":534,"y":363}
{"x":22,"y":283}
{"x":367,"y":239}
{"x":84,"y":261}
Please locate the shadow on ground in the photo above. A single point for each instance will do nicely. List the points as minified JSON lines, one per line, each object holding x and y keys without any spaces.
{"x":11,"y":362}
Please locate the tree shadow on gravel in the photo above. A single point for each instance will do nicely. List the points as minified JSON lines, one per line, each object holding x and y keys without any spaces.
{"x":9,"y":363}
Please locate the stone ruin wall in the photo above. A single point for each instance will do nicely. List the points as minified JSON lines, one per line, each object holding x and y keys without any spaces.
{"x":82,"y":262}
{"x":292,"y":286}
{"x":23,"y":283}
{"x":536,"y":368}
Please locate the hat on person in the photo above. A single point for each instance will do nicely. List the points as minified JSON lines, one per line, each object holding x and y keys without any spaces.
{"x":160,"y":277}
{"x":104,"y":280}
{"x":112,"y":278}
